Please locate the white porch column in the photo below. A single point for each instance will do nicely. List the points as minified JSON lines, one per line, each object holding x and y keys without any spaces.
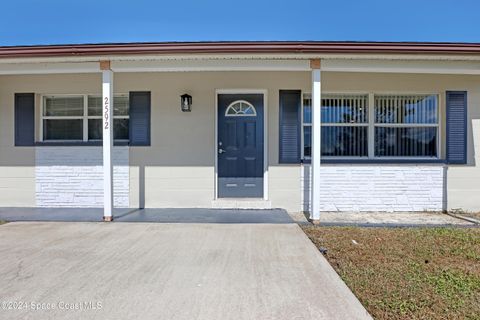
{"x":316,"y":139}
{"x":107,"y":125}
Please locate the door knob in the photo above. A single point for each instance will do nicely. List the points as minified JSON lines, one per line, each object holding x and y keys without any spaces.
{"x":221,"y":151}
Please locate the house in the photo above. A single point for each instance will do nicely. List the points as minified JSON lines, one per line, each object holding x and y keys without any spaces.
{"x":305,"y":126}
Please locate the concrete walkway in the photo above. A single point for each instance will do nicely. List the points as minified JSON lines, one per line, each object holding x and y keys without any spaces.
{"x":168,"y":271}
{"x":392,"y":219}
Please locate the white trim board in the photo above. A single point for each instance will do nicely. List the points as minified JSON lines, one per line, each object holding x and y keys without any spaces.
{"x":393,"y":66}
{"x":48,"y":68}
{"x":155,"y":66}
{"x":211,"y":65}
{"x":332,"y":64}
{"x":264,"y":92}
{"x":260,"y":56}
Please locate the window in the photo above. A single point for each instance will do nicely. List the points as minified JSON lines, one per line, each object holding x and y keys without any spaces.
{"x":307,"y":125}
{"x":120,"y":118}
{"x":375,"y":126}
{"x":79,"y":118}
{"x":344,"y":125}
{"x":406,"y":125}
{"x":63,"y":118}
{"x":240,"y":108}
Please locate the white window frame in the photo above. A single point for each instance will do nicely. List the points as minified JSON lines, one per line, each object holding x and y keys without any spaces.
{"x":85,"y":116}
{"x":43,"y":117}
{"x":371,"y":125}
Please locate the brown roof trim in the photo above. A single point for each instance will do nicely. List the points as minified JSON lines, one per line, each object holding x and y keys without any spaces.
{"x":266,"y":47}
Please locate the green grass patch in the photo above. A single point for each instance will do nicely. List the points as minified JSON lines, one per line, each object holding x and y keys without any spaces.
{"x":407,"y":273}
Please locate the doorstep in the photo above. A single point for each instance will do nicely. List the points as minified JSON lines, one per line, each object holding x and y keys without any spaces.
{"x":241,"y":203}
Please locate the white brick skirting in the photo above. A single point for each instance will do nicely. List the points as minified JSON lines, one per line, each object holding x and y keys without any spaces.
{"x":73,"y":176}
{"x":377,"y":187}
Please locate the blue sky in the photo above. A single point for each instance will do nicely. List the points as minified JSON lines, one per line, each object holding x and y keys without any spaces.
{"x":92,"y":21}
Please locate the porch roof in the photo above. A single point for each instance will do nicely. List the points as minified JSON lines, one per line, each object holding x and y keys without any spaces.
{"x":241,"y":47}
{"x":378,"y":57}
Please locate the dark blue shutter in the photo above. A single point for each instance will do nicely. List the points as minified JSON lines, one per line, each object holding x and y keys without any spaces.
{"x":139,"y":129}
{"x":290,"y":126}
{"x":24,"y":119}
{"x":457,"y":127}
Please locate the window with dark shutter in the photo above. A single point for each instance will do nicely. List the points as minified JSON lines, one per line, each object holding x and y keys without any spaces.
{"x":290,"y":126}
{"x":24,"y":119}
{"x":457,"y":127}
{"x":139,"y":130}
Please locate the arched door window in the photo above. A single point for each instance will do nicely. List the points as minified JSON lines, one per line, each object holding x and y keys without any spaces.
{"x":240,"y":108}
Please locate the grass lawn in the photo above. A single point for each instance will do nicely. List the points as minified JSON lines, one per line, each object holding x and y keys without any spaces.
{"x":2,"y":222}
{"x":408,"y":273}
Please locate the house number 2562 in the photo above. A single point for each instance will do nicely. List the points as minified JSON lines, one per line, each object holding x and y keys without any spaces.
{"x":106,"y":109}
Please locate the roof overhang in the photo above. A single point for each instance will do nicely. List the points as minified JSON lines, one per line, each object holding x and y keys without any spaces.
{"x":441,"y":58}
{"x":253,"y":47}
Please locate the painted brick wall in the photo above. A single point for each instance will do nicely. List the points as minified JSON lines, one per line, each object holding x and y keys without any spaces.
{"x":377,"y":188}
{"x":73,"y":176}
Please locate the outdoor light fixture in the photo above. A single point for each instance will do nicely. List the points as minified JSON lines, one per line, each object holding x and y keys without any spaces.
{"x":186,"y":102}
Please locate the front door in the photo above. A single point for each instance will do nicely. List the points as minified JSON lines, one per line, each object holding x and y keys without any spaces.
{"x":240,"y":145}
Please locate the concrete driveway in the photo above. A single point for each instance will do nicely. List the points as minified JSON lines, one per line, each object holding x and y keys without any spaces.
{"x":167,"y":271}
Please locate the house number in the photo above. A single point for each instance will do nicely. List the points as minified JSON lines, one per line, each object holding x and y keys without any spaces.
{"x":106,"y":108}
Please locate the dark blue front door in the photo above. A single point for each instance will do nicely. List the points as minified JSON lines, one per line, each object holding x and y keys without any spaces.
{"x":240,"y":145}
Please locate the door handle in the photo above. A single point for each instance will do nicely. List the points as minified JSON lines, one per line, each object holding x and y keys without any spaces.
{"x":220,"y":151}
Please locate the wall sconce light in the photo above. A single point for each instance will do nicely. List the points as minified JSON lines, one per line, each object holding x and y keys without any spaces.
{"x":186,"y":101}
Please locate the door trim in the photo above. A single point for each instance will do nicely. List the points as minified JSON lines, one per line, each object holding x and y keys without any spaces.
{"x":265,"y":135}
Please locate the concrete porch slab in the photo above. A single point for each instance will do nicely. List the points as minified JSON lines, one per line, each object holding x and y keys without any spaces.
{"x":193,"y":215}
